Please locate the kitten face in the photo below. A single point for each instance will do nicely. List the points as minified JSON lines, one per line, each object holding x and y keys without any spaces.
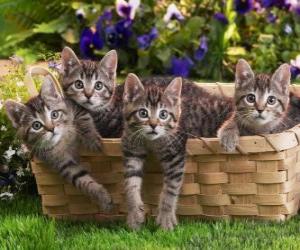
{"x":262,"y":99}
{"x":90,"y":84}
{"x":44,"y":121}
{"x":151,"y":112}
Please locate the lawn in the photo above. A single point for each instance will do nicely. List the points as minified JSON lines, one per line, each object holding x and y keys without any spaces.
{"x":24,"y":227}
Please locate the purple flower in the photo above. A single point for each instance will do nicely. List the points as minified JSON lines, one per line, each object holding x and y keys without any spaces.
{"x":98,"y":40}
{"x":173,"y":13}
{"x":243,"y":6}
{"x":294,"y":71}
{"x":295,"y":67}
{"x":54,"y":65}
{"x":281,"y":4}
{"x":118,"y":35}
{"x":86,"y":41}
{"x":202,"y":49}
{"x":221,"y":18}
{"x":271,"y":18}
{"x":127,"y":9}
{"x":144,"y":41}
{"x":181,"y":66}
{"x":267,"y":3}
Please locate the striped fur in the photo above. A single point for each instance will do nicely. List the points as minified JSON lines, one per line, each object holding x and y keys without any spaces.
{"x":52,"y":128}
{"x":262,"y":105}
{"x":98,"y":92}
{"x":193,"y":112}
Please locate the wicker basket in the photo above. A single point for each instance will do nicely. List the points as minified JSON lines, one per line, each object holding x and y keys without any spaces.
{"x":260,"y":180}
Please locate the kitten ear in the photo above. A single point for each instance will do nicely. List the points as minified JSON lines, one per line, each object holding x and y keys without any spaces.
{"x":15,"y":112}
{"x":110,"y":62}
{"x":281,"y":78}
{"x":133,"y":88}
{"x":49,"y":90}
{"x":69,"y":60}
{"x":243,"y":72}
{"x":173,"y":91}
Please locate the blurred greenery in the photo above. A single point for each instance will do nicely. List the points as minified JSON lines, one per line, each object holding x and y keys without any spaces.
{"x":32,"y":29}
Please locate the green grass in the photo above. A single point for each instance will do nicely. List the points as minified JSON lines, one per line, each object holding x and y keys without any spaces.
{"x":22,"y":226}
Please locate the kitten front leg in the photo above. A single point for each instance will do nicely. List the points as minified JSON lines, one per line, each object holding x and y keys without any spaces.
{"x":75,"y":174}
{"x":88,"y":133}
{"x":134,"y":162}
{"x":173,"y":166}
{"x":229,"y":134}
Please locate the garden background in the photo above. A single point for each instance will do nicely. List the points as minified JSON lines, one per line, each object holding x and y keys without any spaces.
{"x":200,"y":39}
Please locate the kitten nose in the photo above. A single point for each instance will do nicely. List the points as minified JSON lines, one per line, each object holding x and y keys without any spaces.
{"x":260,"y":111}
{"x":50,"y":128}
{"x":88,"y":95}
{"x":153,"y":126}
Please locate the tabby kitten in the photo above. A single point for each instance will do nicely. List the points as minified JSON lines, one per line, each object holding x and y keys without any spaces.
{"x":160,"y":115}
{"x":51,"y":127}
{"x":262,"y":105}
{"x":93,"y":85}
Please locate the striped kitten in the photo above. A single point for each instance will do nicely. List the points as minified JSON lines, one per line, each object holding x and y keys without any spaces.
{"x":92,"y":85}
{"x":51,"y":127}
{"x":160,"y":115}
{"x":262,"y":105}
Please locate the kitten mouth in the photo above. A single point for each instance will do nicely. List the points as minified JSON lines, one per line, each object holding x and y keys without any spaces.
{"x":152,"y":133}
{"x":89,"y":102}
{"x":260,"y":117}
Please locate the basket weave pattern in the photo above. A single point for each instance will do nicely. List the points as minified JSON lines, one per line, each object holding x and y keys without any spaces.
{"x":260,"y":180}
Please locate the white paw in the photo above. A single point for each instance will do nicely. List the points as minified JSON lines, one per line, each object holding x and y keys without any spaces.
{"x":229,"y":142}
{"x":166,"y":220}
{"x":136,"y":217}
{"x":105,"y":201}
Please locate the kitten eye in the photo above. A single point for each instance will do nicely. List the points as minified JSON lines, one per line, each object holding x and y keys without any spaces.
{"x":163,"y":114}
{"x":143,"y":113}
{"x":36,"y":125}
{"x":271,"y":100}
{"x":250,"y":98}
{"x":98,"y":85}
{"x":54,"y":114}
{"x":78,"y":84}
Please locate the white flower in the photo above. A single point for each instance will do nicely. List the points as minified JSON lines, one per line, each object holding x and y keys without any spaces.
{"x":20,"y":84}
{"x":172,"y":12}
{"x":80,"y":13}
{"x":9,"y":153}
{"x":20,"y":172}
{"x":127,"y":9}
{"x":3,"y":128}
{"x":288,"y":29}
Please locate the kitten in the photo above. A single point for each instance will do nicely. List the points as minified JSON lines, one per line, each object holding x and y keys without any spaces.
{"x":51,"y":127}
{"x":93,"y":85}
{"x":160,"y":115}
{"x":262,"y":104}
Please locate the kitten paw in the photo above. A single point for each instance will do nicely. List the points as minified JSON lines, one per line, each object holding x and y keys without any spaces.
{"x":105,"y":201}
{"x":96,"y":145}
{"x":136,"y":217}
{"x":166,"y":220}
{"x":229,"y":142}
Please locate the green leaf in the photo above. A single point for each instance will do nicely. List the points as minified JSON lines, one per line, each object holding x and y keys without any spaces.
{"x":70,"y":36}
{"x":56,"y":26}
{"x":236,"y":51}
{"x":265,"y":38}
{"x":164,"y":55}
{"x":195,"y":24}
